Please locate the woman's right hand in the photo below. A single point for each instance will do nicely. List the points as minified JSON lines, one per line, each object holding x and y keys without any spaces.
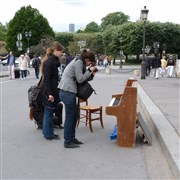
{"x":93,"y":69}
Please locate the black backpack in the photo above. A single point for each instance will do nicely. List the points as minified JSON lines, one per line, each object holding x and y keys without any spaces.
{"x":36,"y":62}
{"x":36,"y":95}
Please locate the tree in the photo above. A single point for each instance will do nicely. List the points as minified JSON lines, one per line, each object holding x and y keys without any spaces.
{"x":25,"y":20}
{"x":64,"y":38}
{"x":3,"y":31}
{"x":114,"y":19}
{"x":92,"y":27}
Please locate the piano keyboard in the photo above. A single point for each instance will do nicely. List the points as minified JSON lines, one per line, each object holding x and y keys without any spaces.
{"x":114,"y":102}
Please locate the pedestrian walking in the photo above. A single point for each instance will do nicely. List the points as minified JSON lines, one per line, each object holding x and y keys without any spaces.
{"x":23,"y":66}
{"x":170,"y":66}
{"x":163,"y":66}
{"x":148,"y":64}
{"x":11,"y":63}
{"x":75,"y":71}
{"x":36,"y":62}
{"x":156,"y":64}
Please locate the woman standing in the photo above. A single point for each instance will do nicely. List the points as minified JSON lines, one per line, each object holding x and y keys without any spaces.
{"x":50,"y":66}
{"x":75,"y":71}
{"x":23,"y":66}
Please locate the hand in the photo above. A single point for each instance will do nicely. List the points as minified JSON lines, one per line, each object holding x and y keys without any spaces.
{"x":51,"y":98}
{"x":93,"y":69}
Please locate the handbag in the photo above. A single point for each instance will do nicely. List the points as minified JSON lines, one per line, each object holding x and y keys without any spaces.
{"x":84,"y":90}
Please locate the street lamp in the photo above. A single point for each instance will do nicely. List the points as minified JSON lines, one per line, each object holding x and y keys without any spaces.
{"x":144,"y":14}
{"x":121,"y":52}
{"x":28,"y":36}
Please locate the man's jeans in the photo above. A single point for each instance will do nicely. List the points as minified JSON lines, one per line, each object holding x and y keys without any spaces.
{"x":48,"y":129}
{"x":37,"y":72}
{"x":69,"y":100}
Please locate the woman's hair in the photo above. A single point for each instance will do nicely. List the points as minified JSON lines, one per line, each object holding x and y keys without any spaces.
{"x":50,"y":52}
{"x":88,"y":55}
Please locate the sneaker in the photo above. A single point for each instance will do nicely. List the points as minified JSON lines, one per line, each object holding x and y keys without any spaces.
{"x":71,"y":145}
{"x":76,"y":141}
{"x":56,"y":137}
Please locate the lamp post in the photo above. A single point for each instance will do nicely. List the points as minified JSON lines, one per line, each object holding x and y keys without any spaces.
{"x":144,"y":14}
{"x":121,"y":52}
{"x":28,"y":36}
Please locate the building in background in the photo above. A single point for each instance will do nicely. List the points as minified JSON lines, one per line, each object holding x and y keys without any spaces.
{"x":71,"y":28}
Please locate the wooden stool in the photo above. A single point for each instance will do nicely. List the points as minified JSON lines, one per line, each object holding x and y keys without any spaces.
{"x":91,"y":113}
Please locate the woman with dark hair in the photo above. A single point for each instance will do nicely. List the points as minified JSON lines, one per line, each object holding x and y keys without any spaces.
{"x":76,"y":71}
{"x":49,"y":71}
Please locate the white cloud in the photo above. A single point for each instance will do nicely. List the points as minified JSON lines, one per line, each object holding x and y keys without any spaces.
{"x":60,"y":13}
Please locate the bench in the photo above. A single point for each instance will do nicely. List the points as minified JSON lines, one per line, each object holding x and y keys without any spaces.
{"x":123,"y":107}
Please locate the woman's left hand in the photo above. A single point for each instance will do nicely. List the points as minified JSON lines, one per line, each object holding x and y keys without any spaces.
{"x":51,"y":98}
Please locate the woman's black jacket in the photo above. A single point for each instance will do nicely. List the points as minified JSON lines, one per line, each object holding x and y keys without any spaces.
{"x":50,"y":83}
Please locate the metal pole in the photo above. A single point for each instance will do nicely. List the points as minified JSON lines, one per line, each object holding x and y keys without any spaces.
{"x":143,"y":64}
{"x":120,"y":64}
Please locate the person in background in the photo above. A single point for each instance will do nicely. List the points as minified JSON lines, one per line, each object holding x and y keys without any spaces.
{"x":148,"y":64}
{"x":49,"y":70}
{"x":11,"y":63}
{"x":75,"y":71}
{"x":163,"y":65}
{"x":156,"y":64}
{"x":63,"y":62}
{"x":23,"y":66}
{"x":170,"y":66}
{"x":27,"y":58}
{"x":36,"y":61}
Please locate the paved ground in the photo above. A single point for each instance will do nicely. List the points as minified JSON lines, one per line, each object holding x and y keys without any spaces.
{"x":158,"y":102}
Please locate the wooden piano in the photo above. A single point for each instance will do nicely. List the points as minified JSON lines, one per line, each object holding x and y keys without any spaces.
{"x":123,"y":106}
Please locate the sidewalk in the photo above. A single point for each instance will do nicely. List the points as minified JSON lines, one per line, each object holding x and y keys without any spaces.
{"x":159,"y":104}
{"x":159,"y":101}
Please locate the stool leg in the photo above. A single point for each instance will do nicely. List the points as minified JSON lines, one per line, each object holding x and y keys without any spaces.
{"x":101,"y":118}
{"x":89,"y":119}
{"x":87,"y":116}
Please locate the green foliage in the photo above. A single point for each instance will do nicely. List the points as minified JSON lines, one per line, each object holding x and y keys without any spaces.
{"x":64,"y":38}
{"x":3,"y":31}
{"x":114,"y":19}
{"x":132,"y":38}
{"x":92,"y":27}
{"x":25,"y":20}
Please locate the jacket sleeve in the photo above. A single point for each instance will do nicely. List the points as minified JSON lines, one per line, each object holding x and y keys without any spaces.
{"x":47,"y":77}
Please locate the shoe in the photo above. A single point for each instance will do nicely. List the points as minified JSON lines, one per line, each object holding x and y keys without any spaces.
{"x":76,"y":141}
{"x":61,"y":127}
{"x":71,"y":145}
{"x":56,"y":137}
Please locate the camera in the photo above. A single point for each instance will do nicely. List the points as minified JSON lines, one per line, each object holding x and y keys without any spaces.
{"x":96,"y":70}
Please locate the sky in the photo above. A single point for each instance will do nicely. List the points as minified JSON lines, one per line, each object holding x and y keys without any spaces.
{"x":61,"y":13}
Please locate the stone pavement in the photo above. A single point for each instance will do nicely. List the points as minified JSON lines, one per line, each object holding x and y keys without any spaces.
{"x":159,"y":100}
{"x":159,"y":103}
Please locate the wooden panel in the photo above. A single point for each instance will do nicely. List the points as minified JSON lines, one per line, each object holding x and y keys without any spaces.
{"x":144,"y":128}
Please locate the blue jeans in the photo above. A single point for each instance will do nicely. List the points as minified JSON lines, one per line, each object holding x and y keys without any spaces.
{"x":69,"y":100}
{"x":37,"y":72}
{"x":48,"y":128}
